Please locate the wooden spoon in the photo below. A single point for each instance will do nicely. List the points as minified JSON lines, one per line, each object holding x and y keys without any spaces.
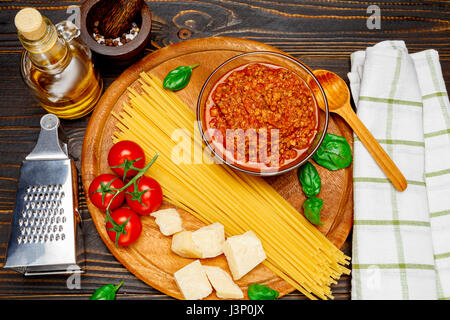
{"x":338,"y":97}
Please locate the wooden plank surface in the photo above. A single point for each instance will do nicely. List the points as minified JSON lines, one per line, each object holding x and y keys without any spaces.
{"x":322,"y":33}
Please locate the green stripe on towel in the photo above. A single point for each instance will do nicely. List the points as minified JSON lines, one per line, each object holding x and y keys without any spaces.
{"x":439,"y":213}
{"x":401,"y":266}
{"x":437,"y":173}
{"x":442,"y":255}
{"x":394,"y":204}
{"x":391,"y":101}
{"x":398,"y":142}
{"x":392,"y":223}
{"x":434,"y":95}
{"x":385,"y":180}
{"x":437,"y":133}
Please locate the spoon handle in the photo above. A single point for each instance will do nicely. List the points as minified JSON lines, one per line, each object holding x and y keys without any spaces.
{"x":374,"y":148}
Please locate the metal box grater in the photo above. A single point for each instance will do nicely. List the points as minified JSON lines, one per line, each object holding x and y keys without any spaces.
{"x":45,"y":233}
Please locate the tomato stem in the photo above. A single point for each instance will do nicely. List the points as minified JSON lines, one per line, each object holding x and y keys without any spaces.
{"x":119,"y":229}
{"x":127,"y":165}
{"x":104,"y":189}
{"x":136,"y":194}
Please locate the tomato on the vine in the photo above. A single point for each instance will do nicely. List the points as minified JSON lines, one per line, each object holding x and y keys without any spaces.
{"x":144,"y":196}
{"x":102,"y":190}
{"x":125,"y":157}
{"x":128,"y":227}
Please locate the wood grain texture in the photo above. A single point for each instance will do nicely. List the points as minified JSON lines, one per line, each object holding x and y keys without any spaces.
{"x":150,"y":258}
{"x":321,"y":33}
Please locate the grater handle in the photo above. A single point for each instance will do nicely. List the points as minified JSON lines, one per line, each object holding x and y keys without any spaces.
{"x":48,"y":146}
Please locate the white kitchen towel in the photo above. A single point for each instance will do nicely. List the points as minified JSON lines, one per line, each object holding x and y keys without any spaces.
{"x":401,"y":239}
{"x":436,"y":125}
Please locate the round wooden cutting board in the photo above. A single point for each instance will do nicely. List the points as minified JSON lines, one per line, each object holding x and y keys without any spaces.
{"x":150,"y":258}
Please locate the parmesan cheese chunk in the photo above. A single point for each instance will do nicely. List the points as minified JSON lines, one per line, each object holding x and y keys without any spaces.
{"x":222,"y":283}
{"x":243,"y":252}
{"x":193,"y":282}
{"x":168,"y":220}
{"x":183,"y":245}
{"x":209,"y":240}
{"x":206,"y":242}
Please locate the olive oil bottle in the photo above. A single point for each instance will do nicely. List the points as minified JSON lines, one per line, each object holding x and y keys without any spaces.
{"x":57,"y":66}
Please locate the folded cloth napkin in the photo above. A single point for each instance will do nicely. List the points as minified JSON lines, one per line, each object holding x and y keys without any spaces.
{"x":401,"y":240}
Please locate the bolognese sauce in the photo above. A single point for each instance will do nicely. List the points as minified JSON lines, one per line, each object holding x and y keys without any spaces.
{"x":263,"y":115}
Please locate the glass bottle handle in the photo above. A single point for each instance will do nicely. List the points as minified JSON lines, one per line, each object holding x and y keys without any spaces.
{"x":71,"y":33}
{"x":68,"y":30}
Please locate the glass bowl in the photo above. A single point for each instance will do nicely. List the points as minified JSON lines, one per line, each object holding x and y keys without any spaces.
{"x":280,"y":60}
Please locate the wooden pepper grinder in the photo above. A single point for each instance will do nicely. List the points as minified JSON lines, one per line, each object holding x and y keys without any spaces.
{"x":118,"y":16}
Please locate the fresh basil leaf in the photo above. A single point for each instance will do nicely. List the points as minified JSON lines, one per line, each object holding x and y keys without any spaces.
{"x":178,"y":78}
{"x":261,"y":292}
{"x":311,"y":209}
{"x":334,"y":153}
{"x":107,"y":292}
{"x":309,"y":179}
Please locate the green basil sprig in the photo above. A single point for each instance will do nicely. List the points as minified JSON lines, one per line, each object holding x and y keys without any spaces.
{"x":261,"y":292}
{"x":311,"y":208}
{"x":334,"y":153}
{"x":309,"y":179}
{"x":178,"y":78}
{"x":107,"y":292}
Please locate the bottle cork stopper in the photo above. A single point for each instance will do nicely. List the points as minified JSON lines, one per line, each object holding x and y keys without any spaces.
{"x":30,"y":24}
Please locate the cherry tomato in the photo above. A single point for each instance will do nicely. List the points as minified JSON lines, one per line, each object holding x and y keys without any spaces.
{"x":144,"y":196}
{"x":125,"y":156}
{"x":132,"y":229}
{"x":101,"y":191}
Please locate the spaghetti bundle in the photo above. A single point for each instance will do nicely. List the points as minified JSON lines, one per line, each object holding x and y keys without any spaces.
{"x":296,"y":251}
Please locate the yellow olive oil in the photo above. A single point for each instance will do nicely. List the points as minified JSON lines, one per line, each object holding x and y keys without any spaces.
{"x":57,"y":66}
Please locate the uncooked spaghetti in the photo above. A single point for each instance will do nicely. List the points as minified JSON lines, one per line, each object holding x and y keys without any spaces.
{"x":296,"y":251}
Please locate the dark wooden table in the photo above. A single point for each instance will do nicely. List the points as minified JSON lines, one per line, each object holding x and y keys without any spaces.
{"x":322,"y":33}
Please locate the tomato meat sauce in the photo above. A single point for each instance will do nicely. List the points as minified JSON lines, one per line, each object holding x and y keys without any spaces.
{"x":261,"y":117}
